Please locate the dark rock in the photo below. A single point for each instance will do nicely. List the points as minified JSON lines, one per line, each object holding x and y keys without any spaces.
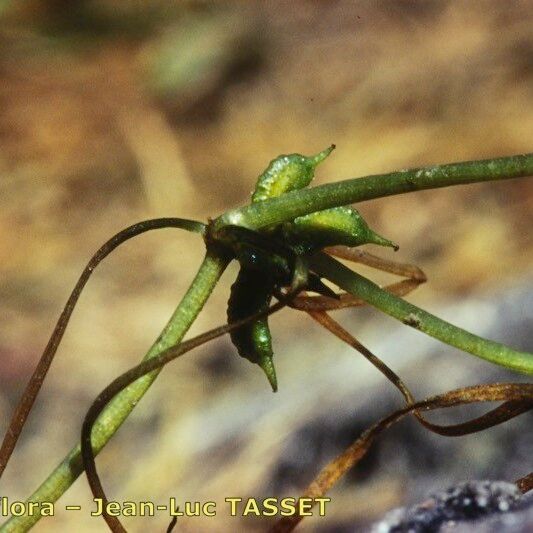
{"x":468,"y":504}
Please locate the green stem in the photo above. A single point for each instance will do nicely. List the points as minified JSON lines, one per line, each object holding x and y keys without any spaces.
{"x":118,"y":410}
{"x":302,"y":202}
{"x":419,"y":319}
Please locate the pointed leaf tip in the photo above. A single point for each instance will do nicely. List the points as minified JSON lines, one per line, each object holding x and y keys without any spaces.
{"x":318,"y":158}
{"x":270,"y":372}
{"x":375,"y":238}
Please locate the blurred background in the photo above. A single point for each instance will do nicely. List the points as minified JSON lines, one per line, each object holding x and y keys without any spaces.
{"x":115,"y":111}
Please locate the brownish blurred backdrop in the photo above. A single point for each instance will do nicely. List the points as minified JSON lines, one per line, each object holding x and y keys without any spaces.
{"x":115,"y":111}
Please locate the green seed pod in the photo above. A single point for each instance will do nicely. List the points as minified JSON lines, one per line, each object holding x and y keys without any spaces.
{"x":251,"y":293}
{"x":287,"y":173}
{"x":339,"y":225}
